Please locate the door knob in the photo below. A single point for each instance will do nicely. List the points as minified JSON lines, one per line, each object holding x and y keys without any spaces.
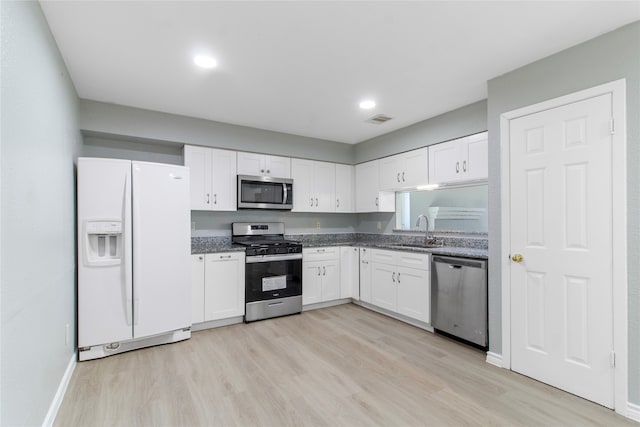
{"x":517,"y":258}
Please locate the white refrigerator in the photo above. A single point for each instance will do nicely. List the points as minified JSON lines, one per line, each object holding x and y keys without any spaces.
{"x":134,"y":271}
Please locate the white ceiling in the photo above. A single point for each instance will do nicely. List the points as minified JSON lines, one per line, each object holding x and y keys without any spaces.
{"x":302,"y":67}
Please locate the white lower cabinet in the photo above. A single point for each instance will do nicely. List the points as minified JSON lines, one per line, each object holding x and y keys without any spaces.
{"x":365,"y":274}
{"x":349,"y":272}
{"x":320,"y":274}
{"x":217,"y":286}
{"x":400,"y":282}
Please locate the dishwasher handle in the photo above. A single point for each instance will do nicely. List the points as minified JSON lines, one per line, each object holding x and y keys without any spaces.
{"x":460,"y":262}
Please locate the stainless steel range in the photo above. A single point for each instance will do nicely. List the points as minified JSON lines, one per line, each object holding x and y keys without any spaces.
{"x":273,"y":270}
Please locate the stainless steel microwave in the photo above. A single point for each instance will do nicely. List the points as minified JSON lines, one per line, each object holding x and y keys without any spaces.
{"x":263,"y":192}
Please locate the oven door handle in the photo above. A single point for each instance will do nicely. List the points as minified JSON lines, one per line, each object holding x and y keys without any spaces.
{"x":269,"y":258}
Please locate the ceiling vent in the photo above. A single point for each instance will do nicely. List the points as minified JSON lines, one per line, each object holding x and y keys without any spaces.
{"x":378,"y":119}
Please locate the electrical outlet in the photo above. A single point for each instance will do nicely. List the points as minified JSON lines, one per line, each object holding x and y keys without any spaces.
{"x":66,"y":334}
{"x":318,"y":225}
{"x":379,"y":225}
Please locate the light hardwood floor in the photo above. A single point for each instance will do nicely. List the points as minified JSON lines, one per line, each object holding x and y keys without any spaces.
{"x":339,"y":366}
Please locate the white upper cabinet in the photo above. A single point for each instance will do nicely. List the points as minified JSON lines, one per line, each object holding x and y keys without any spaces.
{"x":345,"y":188}
{"x":213,"y":178}
{"x":369,"y":198}
{"x":406,"y":170}
{"x":463,"y":159}
{"x":313,"y":186}
{"x":264,"y":165}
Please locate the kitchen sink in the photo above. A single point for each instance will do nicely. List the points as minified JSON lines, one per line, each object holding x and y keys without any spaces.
{"x":429,"y":245}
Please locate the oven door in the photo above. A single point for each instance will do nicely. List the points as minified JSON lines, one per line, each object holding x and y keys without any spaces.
{"x":272,"y":276}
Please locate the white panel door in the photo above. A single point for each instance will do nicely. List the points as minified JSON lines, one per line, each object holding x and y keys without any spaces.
{"x":475,"y":162}
{"x":223,"y":285}
{"x":161,"y":248}
{"x":365,"y":275}
{"x":105,"y":298}
{"x":330,"y":280}
{"x":278,"y":167}
{"x":251,"y":164}
{"x":413,"y":293}
{"x":367,"y":187}
{"x":344,"y":188}
{"x":561,"y":222}
{"x":383,"y":286}
{"x":197,"y":288}
{"x":389,"y":170}
{"x":324,"y":186}
{"x":198,"y":160}
{"x":349,"y":272}
{"x":223,"y":180}
{"x":414,"y":168}
{"x":444,"y":162}
{"x":302,"y":173}
{"x":311,"y":282}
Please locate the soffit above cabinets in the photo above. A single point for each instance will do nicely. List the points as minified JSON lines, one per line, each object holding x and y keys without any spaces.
{"x":303,"y":67}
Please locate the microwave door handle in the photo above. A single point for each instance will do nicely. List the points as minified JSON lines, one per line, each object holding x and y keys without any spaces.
{"x":286,"y":195}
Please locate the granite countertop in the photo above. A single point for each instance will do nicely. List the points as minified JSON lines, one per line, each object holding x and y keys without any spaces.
{"x":470,"y":247}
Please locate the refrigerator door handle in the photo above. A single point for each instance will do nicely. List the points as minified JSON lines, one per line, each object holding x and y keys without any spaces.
{"x":126,"y":256}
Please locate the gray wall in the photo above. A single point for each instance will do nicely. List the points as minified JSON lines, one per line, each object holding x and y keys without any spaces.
{"x":609,"y":57}
{"x":454,"y":124}
{"x":40,"y":139}
{"x":132,"y":150}
{"x":110,"y":121}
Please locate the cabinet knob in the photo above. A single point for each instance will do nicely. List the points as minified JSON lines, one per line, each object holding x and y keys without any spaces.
{"x":268,"y":171}
{"x":200,"y":258}
{"x":261,"y":170}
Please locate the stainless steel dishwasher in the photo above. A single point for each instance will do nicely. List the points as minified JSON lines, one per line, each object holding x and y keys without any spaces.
{"x":459,"y":298}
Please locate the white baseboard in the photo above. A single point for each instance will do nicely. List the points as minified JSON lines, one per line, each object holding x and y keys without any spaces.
{"x":62,"y":389}
{"x":494,"y":359}
{"x":633,"y":411}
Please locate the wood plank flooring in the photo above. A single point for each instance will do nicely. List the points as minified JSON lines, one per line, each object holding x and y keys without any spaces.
{"x":339,"y":366}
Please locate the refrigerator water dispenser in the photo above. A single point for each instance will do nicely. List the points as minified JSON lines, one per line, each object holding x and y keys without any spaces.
{"x":103,"y":242}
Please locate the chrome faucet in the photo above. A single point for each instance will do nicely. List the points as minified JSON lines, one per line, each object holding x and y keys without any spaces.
{"x":427,"y":224}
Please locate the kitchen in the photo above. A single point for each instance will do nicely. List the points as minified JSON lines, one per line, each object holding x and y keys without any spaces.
{"x":39,"y":104}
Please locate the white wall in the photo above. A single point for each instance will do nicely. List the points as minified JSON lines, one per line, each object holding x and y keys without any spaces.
{"x":40,"y":138}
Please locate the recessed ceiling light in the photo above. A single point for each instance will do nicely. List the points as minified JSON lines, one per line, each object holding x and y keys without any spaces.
{"x":367,"y":104}
{"x":205,"y":61}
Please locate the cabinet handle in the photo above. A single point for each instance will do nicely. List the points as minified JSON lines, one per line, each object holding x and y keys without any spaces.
{"x":457,"y":167}
{"x":261,"y":170}
{"x":398,"y":177}
{"x":208,"y":198}
{"x":398,"y":277}
{"x":337,"y":203}
{"x":464,"y":166}
{"x":311,"y":202}
{"x":316,"y":202}
{"x":268,"y":171}
{"x":324,"y":270}
{"x":393,"y":277}
{"x":215,"y":199}
{"x":402,"y":176}
{"x":200,"y":258}
{"x":225,"y":256}
{"x":376,"y":201}
{"x":318,"y":271}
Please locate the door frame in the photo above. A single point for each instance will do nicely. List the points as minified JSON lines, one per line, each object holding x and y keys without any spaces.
{"x":617,"y":89}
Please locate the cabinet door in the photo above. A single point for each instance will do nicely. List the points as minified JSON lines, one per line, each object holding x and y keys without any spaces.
{"x":365,"y":275}
{"x":475,"y":157}
{"x":324,"y":188}
{"x":223,"y":285}
{"x":197,"y":288}
{"x":445,"y":164}
{"x":345,"y":183}
{"x":251,"y":164}
{"x":383,"y":286}
{"x":390,"y":173}
{"x":413,"y":293}
{"x":349,"y":272}
{"x":223,"y":180}
{"x":278,"y":167}
{"x":414,"y":168}
{"x":330,"y":280}
{"x":198,"y":160}
{"x":311,"y":282}
{"x":302,"y":173}
{"x":367,"y":187}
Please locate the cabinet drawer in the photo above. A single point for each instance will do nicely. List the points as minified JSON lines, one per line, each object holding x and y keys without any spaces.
{"x":383,"y":256}
{"x":413,"y":260}
{"x":226,"y":256}
{"x":320,"y":254}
